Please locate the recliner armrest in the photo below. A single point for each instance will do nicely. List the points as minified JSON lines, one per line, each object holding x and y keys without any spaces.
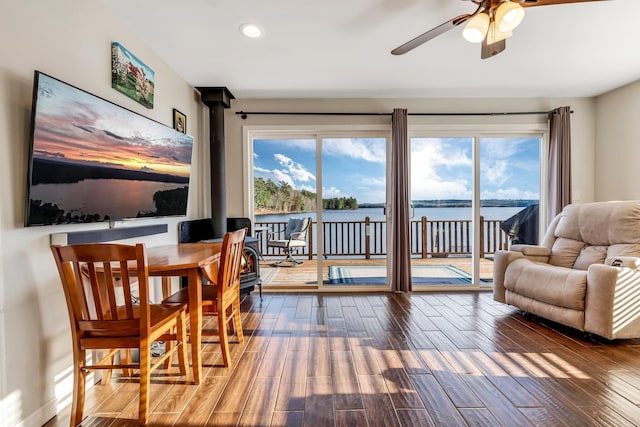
{"x":533,"y":250}
{"x":500,"y":262}
{"x":611,"y":307}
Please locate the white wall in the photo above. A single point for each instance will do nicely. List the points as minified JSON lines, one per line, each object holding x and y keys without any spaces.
{"x":582,"y":127}
{"x":618,"y":149}
{"x":70,"y":40}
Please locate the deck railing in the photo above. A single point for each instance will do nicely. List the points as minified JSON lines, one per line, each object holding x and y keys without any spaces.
{"x":367,"y":239}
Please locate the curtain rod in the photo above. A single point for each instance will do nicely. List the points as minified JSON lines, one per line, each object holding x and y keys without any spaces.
{"x":245,"y":114}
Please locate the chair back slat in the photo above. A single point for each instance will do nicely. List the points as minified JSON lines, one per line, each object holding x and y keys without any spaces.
{"x":231,"y":260}
{"x":126,"y":288}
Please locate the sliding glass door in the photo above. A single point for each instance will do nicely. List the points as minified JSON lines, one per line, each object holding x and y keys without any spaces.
{"x":353,"y":217}
{"x":509,"y":195}
{"x":284,"y":193}
{"x":471,"y":196}
{"x":442,"y":215}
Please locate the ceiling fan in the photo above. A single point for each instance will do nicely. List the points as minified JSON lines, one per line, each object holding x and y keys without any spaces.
{"x":491,"y":24}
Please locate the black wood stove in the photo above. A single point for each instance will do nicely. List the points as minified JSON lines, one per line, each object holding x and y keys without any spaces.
{"x":202,"y":229}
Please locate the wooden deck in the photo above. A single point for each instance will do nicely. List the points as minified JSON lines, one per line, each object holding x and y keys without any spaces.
{"x":305,"y":276}
{"x":385,"y":359}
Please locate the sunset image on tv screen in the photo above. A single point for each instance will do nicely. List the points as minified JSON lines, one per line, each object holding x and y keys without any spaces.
{"x":94,"y":161}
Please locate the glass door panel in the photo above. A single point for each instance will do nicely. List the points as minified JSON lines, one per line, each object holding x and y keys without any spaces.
{"x":441,"y":224}
{"x":353,"y":221}
{"x":510,"y":196}
{"x":284,"y":188}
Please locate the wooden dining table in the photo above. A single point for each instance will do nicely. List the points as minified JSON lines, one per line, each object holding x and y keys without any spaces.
{"x":185,"y":260}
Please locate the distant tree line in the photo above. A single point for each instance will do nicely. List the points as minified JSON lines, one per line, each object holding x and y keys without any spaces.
{"x":340,"y":203}
{"x":284,"y":198}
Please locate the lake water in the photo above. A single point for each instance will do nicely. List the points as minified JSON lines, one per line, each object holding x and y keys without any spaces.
{"x":118,"y":198}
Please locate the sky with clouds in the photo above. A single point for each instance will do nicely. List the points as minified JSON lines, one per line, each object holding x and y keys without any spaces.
{"x":75,"y":126}
{"x":441,"y":168}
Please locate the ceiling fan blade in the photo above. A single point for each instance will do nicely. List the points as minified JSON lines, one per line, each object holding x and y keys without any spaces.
{"x":432,"y":33}
{"x":531,"y":3}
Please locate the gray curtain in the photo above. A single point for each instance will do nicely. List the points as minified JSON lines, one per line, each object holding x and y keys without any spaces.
{"x":400,"y":272}
{"x":559,"y":185}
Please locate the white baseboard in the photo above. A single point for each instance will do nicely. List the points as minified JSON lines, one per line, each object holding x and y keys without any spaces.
{"x":40,"y":416}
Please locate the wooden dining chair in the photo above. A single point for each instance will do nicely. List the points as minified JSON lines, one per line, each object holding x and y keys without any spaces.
{"x":221,"y":291}
{"x":99,"y":286}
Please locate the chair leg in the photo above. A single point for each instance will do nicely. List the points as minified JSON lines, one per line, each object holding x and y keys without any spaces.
{"x":125,"y":357}
{"x":79,"y":381}
{"x":224,"y":337}
{"x":145,"y":381}
{"x":238,"y":321}
{"x":106,"y":374}
{"x":168,"y":349}
{"x":182,"y":345}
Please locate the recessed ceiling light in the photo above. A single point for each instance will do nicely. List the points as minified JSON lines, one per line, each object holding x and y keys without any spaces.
{"x":251,"y":30}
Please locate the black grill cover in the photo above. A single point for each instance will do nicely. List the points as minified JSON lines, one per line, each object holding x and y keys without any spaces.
{"x":523,"y":226}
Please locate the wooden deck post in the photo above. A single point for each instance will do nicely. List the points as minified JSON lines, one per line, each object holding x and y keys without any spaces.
{"x":367,"y":238}
{"x":423,"y":221}
{"x":482,"y":233}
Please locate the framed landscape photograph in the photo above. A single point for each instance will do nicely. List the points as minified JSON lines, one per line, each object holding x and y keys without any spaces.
{"x":179,"y":121}
{"x":131,"y":76}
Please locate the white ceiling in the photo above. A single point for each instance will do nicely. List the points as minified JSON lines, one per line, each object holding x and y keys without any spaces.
{"x":341,"y":48}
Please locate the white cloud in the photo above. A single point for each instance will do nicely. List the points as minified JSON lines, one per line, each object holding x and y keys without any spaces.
{"x":328,"y":193}
{"x":295,"y":169}
{"x":497,"y":172}
{"x":371,"y":150}
{"x":509,"y":193}
{"x":428,"y":156}
{"x":275,"y":175}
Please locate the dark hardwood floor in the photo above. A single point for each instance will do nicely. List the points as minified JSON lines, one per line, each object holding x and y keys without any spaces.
{"x":423,"y":359}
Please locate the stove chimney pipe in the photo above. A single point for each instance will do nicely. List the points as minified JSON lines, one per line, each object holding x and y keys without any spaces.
{"x":217,"y":99}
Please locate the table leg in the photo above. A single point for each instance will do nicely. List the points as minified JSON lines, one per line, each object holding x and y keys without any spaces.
{"x":195,"y":319}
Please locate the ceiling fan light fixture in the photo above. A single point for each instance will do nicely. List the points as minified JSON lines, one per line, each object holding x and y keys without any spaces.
{"x":494,"y":35}
{"x":251,"y":30}
{"x":476,"y":29}
{"x":508,"y":16}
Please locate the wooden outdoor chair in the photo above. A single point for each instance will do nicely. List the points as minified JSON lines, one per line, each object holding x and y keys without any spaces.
{"x":221,"y":292}
{"x":97,"y":280}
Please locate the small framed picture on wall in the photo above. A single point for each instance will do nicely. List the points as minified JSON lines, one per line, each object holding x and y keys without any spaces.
{"x":179,"y":121}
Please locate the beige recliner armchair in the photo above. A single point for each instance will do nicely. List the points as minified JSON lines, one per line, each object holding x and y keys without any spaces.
{"x":585,"y":274}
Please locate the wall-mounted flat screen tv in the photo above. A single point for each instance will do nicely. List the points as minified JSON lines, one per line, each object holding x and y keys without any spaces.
{"x":92,"y":160}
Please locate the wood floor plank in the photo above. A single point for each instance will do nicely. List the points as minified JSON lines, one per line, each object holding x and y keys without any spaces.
{"x":318,"y":407}
{"x":399,"y":384}
{"x":239,"y":384}
{"x":452,"y":382}
{"x":287,"y":419}
{"x":415,"y":418}
{"x":272,"y":360}
{"x":291,"y":391}
{"x":346,"y":392}
{"x":496,"y":402}
{"x":319,"y":356}
{"x":436,"y":401}
{"x":378,"y":405}
{"x":260,"y":402}
{"x":479,"y":417}
{"x":201,"y":405}
{"x":352,"y":418}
